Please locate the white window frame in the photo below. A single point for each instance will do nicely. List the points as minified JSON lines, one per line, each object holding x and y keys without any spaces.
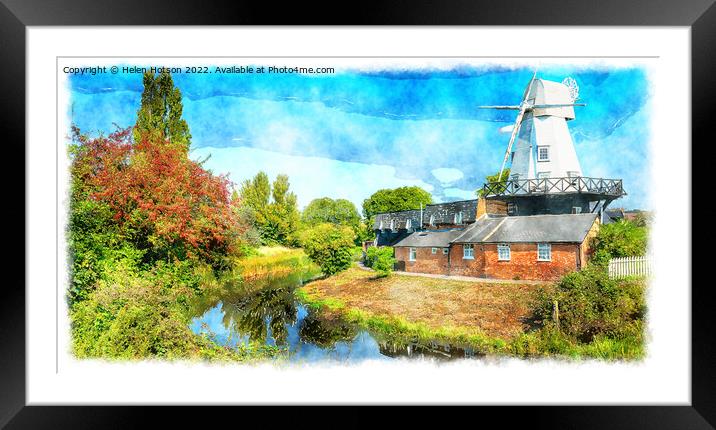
{"x":407,"y":224}
{"x":465,"y":254}
{"x":502,"y":247}
{"x":381,"y":225}
{"x":412,"y":254}
{"x":511,"y":208}
{"x":446,"y":251}
{"x":392,"y":224}
{"x":543,"y":175}
{"x":576,"y":210}
{"x":549,"y":251}
{"x":432,"y":220}
{"x":539,"y":153}
{"x":434,"y":250}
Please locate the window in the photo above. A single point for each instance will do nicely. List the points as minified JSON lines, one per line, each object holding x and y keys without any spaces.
{"x":413,"y":254}
{"x":407,"y":224}
{"x":544,"y":252}
{"x":432,"y":220}
{"x":503,"y":252}
{"x":467,"y":252}
{"x":576,"y":210}
{"x":434,"y":250}
{"x":445,"y":251}
{"x":458,"y":218}
{"x":543,"y":175}
{"x":511,"y":208}
{"x":381,"y":225}
{"x":392,"y":224}
{"x":543,"y":153}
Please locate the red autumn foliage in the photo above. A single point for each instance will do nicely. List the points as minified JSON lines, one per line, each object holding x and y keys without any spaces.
{"x":152,"y":185}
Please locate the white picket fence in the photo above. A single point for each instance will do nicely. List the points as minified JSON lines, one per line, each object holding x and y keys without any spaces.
{"x":629,"y":266}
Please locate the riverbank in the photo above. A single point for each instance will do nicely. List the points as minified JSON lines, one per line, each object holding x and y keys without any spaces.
{"x":489,"y":318}
{"x":139,"y":313}
{"x":482,"y":316}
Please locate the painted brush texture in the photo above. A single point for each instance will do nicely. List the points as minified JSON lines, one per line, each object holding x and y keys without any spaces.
{"x":348,"y":134}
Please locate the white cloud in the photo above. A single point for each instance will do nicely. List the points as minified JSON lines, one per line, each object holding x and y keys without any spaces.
{"x":447,"y":175}
{"x":459,"y":193}
{"x":310,"y":177}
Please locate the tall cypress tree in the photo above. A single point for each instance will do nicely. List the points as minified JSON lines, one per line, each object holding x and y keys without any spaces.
{"x":161,"y":111}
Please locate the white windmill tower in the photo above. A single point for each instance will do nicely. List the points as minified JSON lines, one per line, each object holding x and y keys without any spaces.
{"x":544,"y":146}
{"x":544,"y":162}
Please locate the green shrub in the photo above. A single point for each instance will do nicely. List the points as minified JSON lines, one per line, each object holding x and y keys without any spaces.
{"x":619,"y":239}
{"x":330,"y":247}
{"x":590,"y":304}
{"x":380,"y":259}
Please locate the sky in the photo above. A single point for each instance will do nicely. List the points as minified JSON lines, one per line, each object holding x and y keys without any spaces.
{"x":348,"y":134}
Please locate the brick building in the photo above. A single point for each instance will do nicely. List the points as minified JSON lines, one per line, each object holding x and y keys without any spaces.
{"x":497,"y":246}
{"x":535,"y":225}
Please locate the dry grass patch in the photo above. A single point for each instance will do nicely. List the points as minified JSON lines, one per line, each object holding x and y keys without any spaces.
{"x":498,"y":310}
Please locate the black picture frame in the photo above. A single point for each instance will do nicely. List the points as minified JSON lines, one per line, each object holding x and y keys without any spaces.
{"x":16,"y":15}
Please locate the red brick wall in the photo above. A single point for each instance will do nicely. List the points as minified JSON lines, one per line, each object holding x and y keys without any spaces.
{"x":523,"y":262}
{"x":467,"y":267}
{"x":425,"y":261}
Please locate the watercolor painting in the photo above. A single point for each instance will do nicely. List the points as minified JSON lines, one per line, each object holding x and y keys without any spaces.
{"x":261,"y":211}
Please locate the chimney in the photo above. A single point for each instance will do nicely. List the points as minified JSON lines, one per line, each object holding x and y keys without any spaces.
{"x":481,"y":207}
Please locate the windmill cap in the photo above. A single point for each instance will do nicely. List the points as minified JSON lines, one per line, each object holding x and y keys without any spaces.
{"x":546,"y":92}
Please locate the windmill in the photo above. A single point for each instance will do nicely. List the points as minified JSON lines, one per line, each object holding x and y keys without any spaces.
{"x":544,"y":111}
{"x":545,"y":175}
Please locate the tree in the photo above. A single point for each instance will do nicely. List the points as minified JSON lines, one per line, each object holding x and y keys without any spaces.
{"x":493,"y":179}
{"x":162,"y":202}
{"x":340,"y":212}
{"x":397,"y":199}
{"x":275,"y":208}
{"x":330,"y":247}
{"x":389,"y":200}
{"x":160,"y":114}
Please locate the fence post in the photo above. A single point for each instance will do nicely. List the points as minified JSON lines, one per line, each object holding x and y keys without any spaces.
{"x":555,"y":313}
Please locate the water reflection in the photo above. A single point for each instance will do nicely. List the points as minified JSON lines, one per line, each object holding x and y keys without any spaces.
{"x":268,"y":312}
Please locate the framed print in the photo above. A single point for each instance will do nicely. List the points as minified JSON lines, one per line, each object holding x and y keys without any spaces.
{"x":493,"y":213}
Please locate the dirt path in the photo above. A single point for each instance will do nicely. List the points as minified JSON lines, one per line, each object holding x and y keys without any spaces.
{"x":462,"y":278}
{"x":498,"y":309}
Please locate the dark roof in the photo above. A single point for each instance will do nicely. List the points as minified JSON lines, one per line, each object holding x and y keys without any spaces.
{"x":613,"y":215}
{"x":399,"y":218}
{"x":567,"y":228}
{"x":443,"y":213}
{"x":430,"y":238}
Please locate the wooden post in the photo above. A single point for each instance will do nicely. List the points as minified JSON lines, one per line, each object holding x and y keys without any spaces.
{"x":555,"y":312}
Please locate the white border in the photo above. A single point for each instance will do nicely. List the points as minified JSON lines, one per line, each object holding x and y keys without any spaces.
{"x":663,"y":378}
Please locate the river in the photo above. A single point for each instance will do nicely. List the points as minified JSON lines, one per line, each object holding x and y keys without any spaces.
{"x":269,"y":312}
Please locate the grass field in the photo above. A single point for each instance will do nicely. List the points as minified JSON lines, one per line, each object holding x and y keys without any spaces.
{"x":494,"y":310}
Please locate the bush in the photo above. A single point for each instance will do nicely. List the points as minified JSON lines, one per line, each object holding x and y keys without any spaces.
{"x":619,"y":239}
{"x":590,"y":305}
{"x":330,"y":247}
{"x":380,"y":259}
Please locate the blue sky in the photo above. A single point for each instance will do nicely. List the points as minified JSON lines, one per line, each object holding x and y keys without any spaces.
{"x":349,"y":134}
